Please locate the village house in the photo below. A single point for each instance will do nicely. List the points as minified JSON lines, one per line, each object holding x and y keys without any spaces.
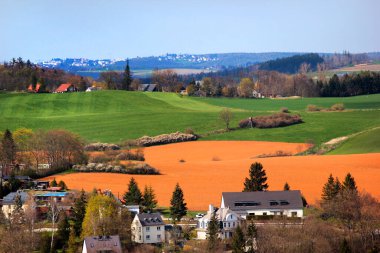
{"x":264,"y":203}
{"x":93,"y":88}
{"x":228,"y":222}
{"x":148,"y":228}
{"x":66,"y":87}
{"x":99,"y":244}
{"x":8,"y":203}
{"x":150,"y":87}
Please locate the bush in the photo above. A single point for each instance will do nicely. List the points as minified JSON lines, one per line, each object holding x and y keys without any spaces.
{"x":128,"y":155}
{"x":131,"y":168}
{"x":165,"y":139}
{"x":337,"y":107}
{"x":101,"y":147}
{"x":189,"y":131}
{"x":271,"y":121}
{"x":101,"y":158}
{"x":313,"y":108}
{"x":284,"y":110}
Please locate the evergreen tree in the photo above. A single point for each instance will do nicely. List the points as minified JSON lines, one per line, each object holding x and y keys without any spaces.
{"x":257,"y":179}
{"x":178,"y":207}
{"x":252,"y":236}
{"x":79,"y":212}
{"x":212,"y":233}
{"x":63,"y":232}
{"x":62,"y":184}
{"x":18,"y":203}
{"x":329,"y":189}
{"x":149,"y":201}
{"x":53,"y":183}
{"x":8,"y":147}
{"x":72,"y":244}
{"x":133,"y":196}
{"x":286,"y":187}
{"x":127,"y":77}
{"x":238,"y":241}
{"x":349,"y":183}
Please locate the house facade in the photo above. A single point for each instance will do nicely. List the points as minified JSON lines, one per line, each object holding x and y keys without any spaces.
{"x":96,"y":244}
{"x":264,"y":203}
{"x":8,"y":203}
{"x":228,"y":222}
{"x":148,"y":228}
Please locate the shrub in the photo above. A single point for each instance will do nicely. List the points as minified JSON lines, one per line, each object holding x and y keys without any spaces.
{"x":337,"y":107}
{"x":275,"y":120}
{"x":101,"y":147}
{"x":189,"y":131}
{"x":284,"y":110}
{"x":128,"y":155}
{"x":101,"y":158}
{"x":312,"y":108}
{"x":165,"y":139}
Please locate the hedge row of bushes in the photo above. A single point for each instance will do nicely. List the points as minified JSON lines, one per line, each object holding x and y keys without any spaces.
{"x":334,"y":107}
{"x":165,"y":139}
{"x":132,"y":168}
{"x":271,"y":121}
{"x":101,"y":147}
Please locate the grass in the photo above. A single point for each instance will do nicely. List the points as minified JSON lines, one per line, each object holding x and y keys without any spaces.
{"x":367,"y":142}
{"x":115,"y":116}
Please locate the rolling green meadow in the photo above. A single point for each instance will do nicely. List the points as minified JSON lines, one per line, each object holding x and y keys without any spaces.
{"x":115,"y":116}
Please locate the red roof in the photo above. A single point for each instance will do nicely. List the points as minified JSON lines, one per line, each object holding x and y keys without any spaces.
{"x":63,"y":87}
{"x":30,"y":87}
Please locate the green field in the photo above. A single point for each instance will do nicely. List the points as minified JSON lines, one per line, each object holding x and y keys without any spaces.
{"x":114,"y":116}
{"x":367,"y":142}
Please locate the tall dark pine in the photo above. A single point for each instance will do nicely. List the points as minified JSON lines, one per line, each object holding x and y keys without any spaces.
{"x":149,"y":199}
{"x":257,"y":179}
{"x":79,"y":212}
{"x":330,"y":189}
{"x":349,"y":183}
{"x":8,"y":147}
{"x":212,"y":231}
{"x":238,"y":241}
{"x":286,"y":187}
{"x":133,"y":196}
{"x":178,"y":207}
{"x":127,"y":77}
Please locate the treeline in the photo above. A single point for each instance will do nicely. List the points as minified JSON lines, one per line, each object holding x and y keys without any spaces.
{"x":350,"y":85}
{"x":18,"y":74}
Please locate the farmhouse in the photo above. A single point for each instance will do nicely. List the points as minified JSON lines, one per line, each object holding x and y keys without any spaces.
{"x":8,"y":203}
{"x":228,"y":221}
{"x":96,"y":244}
{"x":148,"y":228}
{"x":66,"y":87}
{"x":148,"y":87}
{"x":264,"y":203}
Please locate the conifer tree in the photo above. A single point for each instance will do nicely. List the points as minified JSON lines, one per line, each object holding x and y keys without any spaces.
{"x":8,"y":147}
{"x":257,"y":179}
{"x":212,"y":233}
{"x":149,"y":201}
{"x":178,"y":207}
{"x":349,"y":183}
{"x":238,"y":241}
{"x":63,"y":232}
{"x":329,"y":189}
{"x":53,"y":183}
{"x":286,"y":187}
{"x":127,"y":77}
{"x":79,"y":212}
{"x":72,"y":244}
{"x":133,"y":196}
{"x":251,"y":236}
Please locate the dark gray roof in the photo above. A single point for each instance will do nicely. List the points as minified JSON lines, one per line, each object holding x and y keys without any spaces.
{"x":147,"y":87}
{"x":241,"y":201}
{"x":21,"y":178}
{"x":95,"y":244}
{"x":10,"y":198}
{"x":150,"y":219}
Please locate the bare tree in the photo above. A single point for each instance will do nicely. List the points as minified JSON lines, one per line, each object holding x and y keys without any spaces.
{"x":53,"y":213}
{"x":226,"y":115}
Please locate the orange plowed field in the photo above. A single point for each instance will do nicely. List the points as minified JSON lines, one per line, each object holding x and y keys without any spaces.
{"x":211,"y":167}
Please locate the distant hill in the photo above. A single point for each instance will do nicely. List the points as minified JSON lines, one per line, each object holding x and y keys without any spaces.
{"x":292,"y":64}
{"x":89,"y":67}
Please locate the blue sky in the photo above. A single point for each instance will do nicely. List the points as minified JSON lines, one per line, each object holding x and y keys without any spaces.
{"x":43,"y":29}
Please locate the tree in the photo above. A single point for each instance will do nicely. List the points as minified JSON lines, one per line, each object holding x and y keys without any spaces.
{"x":349,"y":183}
{"x":101,"y":212}
{"x":238,"y":241}
{"x":133,"y":196}
{"x":212,"y":233}
{"x":53,"y":214}
{"x":72,"y":244}
{"x":149,"y":201}
{"x":9,"y":148}
{"x":286,"y":186}
{"x":330,"y":190}
{"x":79,"y":212}
{"x":245,"y":88}
{"x":252,"y":237}
{"x":226,"y":115}
{"x":62,"y":184}
{"x":53,"y":183}
{"x":127,"y":77}
{"x":63,"y":232}
{"x":257,"y":179}
{"x":178,"y":207}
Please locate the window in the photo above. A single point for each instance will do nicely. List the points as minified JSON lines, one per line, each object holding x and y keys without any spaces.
{"x":159,"y":237}
{"x":284,"y":202}
{"x":247,"y":203}
{"x":264,"y":213}
{"x":147,"y":237}
{"x":294,"y":214}
{"x":229,"y":224}
{"x":273,"y":203}
{"x":158,"y":228}
{"x":224,"y":224}
{"x":233,"y":224}
{"x":139,"y":229}
{"x":140,"y":237}
{"x":147,"y":229}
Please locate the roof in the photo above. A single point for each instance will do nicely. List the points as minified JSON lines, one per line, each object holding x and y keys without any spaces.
{"x":96,"y":244}
{"x":54,"y":188}
{"x":52,"y":194}
{"x":21,"y":178}
{"x":10,"y":198}
{"x":147,"y":87}
{"x":241,"y":201}
{"x":63,"y":87}
{"x":220,"y":214}
{"x":150,"y":219}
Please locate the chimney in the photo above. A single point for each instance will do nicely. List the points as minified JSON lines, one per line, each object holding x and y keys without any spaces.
{"x":211,"y":208}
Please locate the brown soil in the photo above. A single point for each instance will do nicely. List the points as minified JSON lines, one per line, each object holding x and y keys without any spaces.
{"x":203,"y":177}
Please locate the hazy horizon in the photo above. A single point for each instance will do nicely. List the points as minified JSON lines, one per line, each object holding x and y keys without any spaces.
{"x":115,"y":29}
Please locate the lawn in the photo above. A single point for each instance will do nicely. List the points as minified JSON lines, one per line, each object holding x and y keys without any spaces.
{"x":114,"y":116}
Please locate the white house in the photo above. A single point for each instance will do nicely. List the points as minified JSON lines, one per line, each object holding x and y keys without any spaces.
{"x":148,"y":228}
{"x":96,"y":244}
{"x":228,"y":221}
{"x":262,"y":203}
{"x":8,"y":203}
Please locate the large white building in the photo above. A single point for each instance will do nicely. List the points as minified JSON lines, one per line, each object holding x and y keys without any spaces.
{"x":148,"y":228}
{"x":264,"y":203}
{"x":228,"y":222}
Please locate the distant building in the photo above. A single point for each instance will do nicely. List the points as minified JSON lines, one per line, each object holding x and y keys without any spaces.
{"x":8,"y":203}
{"x":135,"y":209}
{"x":66,"y":87}
{"x":90,"y":89}
{"x":150,"y":87}
{"x":264,"y":203}
{"x":228,"y":221}
{"x":148,"y":228}
{"x":100,"y":244}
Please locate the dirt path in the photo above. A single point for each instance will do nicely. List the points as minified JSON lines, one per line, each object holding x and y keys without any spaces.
{"x":211,"y":167}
